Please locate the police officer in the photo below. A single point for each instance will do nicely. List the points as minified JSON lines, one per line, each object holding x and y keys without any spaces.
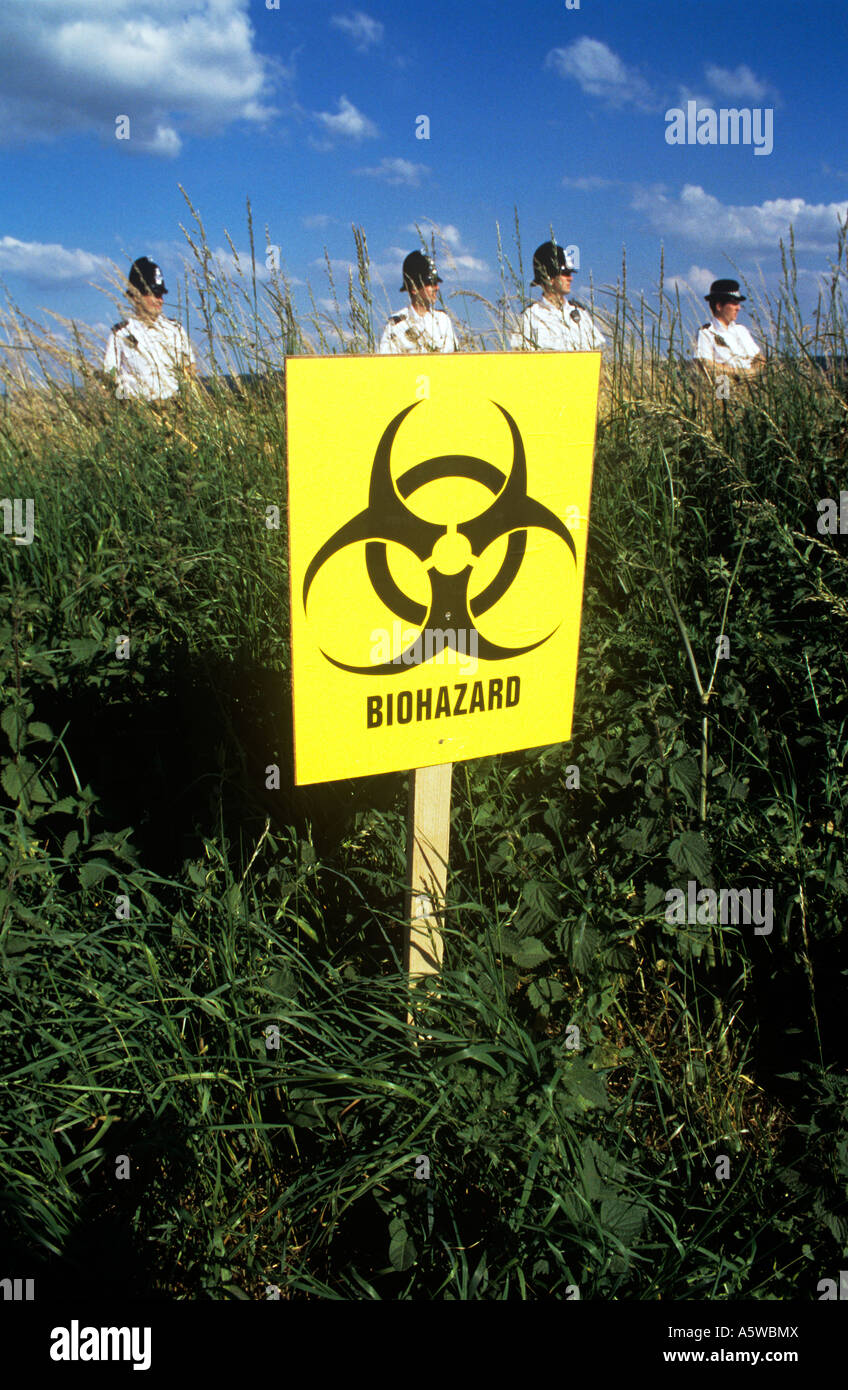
{"x":724,"y":342}
{"x":146,"y":353}
{"x":556,"y":323}
{"x":420,"y":327}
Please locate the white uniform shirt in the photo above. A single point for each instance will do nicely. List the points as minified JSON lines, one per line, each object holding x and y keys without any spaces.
{"x":728,"y":344}
{"x":147,"y":357}
{"x":409,"y":331}
{"x":551,"y":328}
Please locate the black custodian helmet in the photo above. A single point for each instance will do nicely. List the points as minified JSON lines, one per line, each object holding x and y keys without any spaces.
{"x":418,"y":270}
{"x":549,"y":260}
{"x":725,"y":291}
{"x":146,"y":277}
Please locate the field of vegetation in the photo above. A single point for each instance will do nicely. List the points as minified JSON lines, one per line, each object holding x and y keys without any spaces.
{"x":162,"y":908}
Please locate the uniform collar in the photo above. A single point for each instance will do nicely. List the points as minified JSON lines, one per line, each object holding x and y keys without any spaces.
{"x":722,"y":328}
{"x":565,"y":307}
{"x":139,"y":322}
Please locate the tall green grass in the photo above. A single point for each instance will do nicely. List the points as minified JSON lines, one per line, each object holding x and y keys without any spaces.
{"x":163,"y":910}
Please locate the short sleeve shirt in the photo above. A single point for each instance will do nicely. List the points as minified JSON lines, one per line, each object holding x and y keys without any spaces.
{"x":548,"y":327}
{"x":409,"y":331}
{"x":727,"y":344}
{"x":147,"y":358}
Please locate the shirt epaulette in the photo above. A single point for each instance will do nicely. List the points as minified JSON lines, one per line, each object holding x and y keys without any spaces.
{"x":705,"y":325}
{"x":396,"y":318}
{"x":116,"y":327}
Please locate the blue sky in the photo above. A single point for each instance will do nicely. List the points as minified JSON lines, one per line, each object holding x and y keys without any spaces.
{"x":310,"y":111}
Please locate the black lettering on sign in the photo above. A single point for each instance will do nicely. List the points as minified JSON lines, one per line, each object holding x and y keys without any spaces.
{"x":388,"y":709}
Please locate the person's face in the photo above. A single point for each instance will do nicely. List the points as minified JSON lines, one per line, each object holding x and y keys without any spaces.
{"x":150,"y":306}
{"x":728,"y":312}
{"x":559,"y":287}
{"x":424,"y":296}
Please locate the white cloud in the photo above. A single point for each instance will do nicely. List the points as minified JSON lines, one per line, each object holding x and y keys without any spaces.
{"x":48,"y":263}
{"x":317,"y":220}
{"x":238,"y":266}
{"x":699,"y":216}
{"x":450,"y":235}
{"x":601,"y":73}
{"x":696,"y":281}
{"x":454,"y":259}
{"x":470,"y":266}
{"x":364,"y":31}
{"x":347,"y":123}
{"x":739,"y":83}
{"x":397,"y":171}
{"x":702,"y":103}
{"x":164,"y":141}
{"x":75,"y":65}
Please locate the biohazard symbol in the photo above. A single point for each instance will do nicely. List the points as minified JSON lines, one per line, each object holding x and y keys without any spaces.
{"x":449,"y":560}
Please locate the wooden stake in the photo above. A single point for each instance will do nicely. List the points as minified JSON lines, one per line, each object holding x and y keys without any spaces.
{"x":428,"y":839}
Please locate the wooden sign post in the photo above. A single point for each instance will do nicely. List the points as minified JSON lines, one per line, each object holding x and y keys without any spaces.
{"x":428,"y":847}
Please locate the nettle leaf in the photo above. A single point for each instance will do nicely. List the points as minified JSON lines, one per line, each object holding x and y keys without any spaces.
{"x":624,"y":1219}
{"x":12,"y":780}
{"x":507,"y":942}
{"x":543,"y":993}
{"x":638,"y":746}
{"x":684,"y":776}
{"x":537,"y":843}
{"x":83,"y":648}
{"x":691,"y":939}
{"x":12,"y":722}
{"x":735,"y":787}
{"x":575,"y":862}
{"x":690,"y":854}
{"x":39,"y":731}
{"x":38,"y":791}
{"x":529,"y":952}
{"x":653,"y":897}
{"x":593,"y":1184}
{"x":635,"y":839}
{"x":585,"y":944}
{"x":402,"y":1252}
{"x":93,"y":871}
{"x":282,"y":983}
{"x":582,"y":1087}
{"x":537,"y":906}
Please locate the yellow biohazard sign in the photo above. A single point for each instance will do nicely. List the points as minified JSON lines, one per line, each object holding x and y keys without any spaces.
{"x":438,"y":513}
